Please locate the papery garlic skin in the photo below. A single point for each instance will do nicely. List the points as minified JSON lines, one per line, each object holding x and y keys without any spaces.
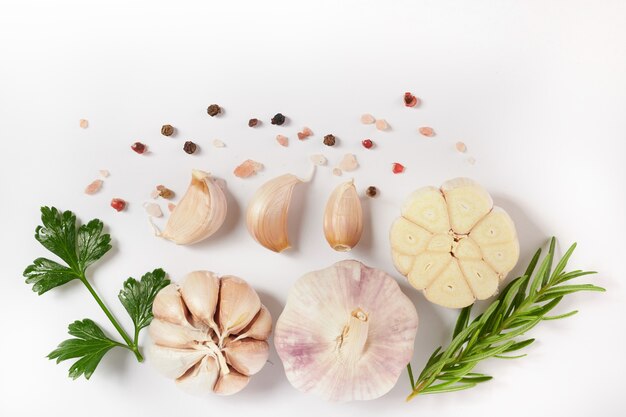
{"x":199,"y":214}
{"x":346,"y":333}
{"x":209,"y":334}
{"x":343,"y":218}
{"x":266,"y":216}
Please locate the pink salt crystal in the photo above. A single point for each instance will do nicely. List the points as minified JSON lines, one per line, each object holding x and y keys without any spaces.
{"x":104,"y":173}
{"x":218,"y":143}
{"x":282,"y":140}
{"x":153,"y":209}
{"x":318,"y":159}
{"x":427,"y":131}
{"x":93,"y":187}
{"x":83,"y":123}
{"x":337,"y":172}
{"x":307,"y":131}
{"x":471,"y":160}
{"x":460,"y":146}
{"x":381,"y":124}
{"x":171,"y":207}
{"x":348,"y":163}
{"x":367,"y":119}
{"x":247,"y":168}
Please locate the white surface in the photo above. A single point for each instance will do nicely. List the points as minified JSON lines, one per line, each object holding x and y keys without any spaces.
{"x":536,"y":89}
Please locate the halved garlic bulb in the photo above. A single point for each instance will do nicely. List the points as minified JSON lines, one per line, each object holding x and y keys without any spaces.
{"x":453,"y":244}
{"x":346,"y":332}
{"x":209,"y":334}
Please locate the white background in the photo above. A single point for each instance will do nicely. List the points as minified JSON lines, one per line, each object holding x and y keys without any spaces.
{"x":536,"y":89}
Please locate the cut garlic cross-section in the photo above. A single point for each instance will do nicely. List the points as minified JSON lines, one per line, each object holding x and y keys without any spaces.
{"x":452,"y":243}
{"x":209,"y":334}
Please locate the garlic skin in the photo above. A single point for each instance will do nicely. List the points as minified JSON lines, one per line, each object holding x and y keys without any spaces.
{"x":346,"y":332}
{"x":343,"y":218}
{"x":209,"y":334}
{"x":199,"y":214}
{"x":266,"y":216}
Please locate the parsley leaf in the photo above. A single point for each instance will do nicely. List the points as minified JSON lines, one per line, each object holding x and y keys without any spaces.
{"x":78,"y":247}
{"x":89,"y":345}
{"x":137,"y":297}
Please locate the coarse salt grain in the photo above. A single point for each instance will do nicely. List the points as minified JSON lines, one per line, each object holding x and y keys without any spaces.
{"x":460,"y":146}
{"x":427,"y":131}
{"x":83,"y":123}
{"x":471,"y":160}
{"x":337,"y":172}
{"x":93,"y":187}
{"x":104,"y":173}
{"x":153,"y":209}
{"x":247,"y":168}
{"x":319,"y":159}
{"x":367,"y":119}
{"x":381,"y":124}
{"x":305,"y":133}
{"x":348,"y":163}
{"x":218,"y":143}
{"x":171,"y":207}
{"x":282,"y":140}
{"x":397,"y":168}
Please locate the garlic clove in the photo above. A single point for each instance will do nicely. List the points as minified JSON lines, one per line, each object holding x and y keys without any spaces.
{"x":343,"y":218}
{"x":238,"y":305}
{"x":173,"y":335}
{"x":266,"y":216}
{"x":199,"y":214}
{"x":260,"y":327}
{"x":168,"y":306}
{"x":173,"y":363}
{"x":200,"y":379}
{"x":346,"y":332}
{"x":247,"y":356}
{"x":200,"y":291}
{"x":231,"y":383}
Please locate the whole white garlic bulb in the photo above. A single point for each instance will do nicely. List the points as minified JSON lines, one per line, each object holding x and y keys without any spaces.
{"x":209,"y":334}
{"x":346,"y":333}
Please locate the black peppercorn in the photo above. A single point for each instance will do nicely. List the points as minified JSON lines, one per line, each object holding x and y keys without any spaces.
{"x":167,"y":130}
{"x":371,"y":191}
{"x":214,"y":110}
{"x":253,"y":122}
{"x":329,"y":140}
{"x":278,"y":119}
{"x":190,"y":147}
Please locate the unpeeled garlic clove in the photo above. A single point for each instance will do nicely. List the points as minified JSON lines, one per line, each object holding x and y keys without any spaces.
{"x":247,"y":355}
{"x":343,"y":218}
{"x":239,"y":304}
{"x":199,"y":214}
{"x":266,"y":216}
{"x":200,"y":379}
{"x":168,"y":306}
{"x":201,"y":290}
{"x":173,"y":363}
{"x":230,"y":383}
{"x":168,"y":334}
{"x":260,"y":327}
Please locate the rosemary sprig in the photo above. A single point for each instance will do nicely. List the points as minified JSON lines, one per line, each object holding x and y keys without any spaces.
{"x":524,"y":303}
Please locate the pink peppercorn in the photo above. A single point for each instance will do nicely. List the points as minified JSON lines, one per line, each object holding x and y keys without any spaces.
{"x":138,"y":147}
{"x":367,"y":143}
{"x":118,"y":204}
{"x":397,"y":168}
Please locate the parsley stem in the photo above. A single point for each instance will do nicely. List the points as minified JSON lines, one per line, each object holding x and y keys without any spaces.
{"x":132,"y":346}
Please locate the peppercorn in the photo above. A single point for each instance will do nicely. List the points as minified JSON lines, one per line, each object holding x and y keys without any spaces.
{"x":367,"y":143}
{"x":329,"y":140}
{"x":410,"y":100}
{"x":190,"y":147}
{"x":214,"y":110}
{"x":253,"y":122}
{"x":371,"y":191}
{"x":397,"y":168}
{"x":118,"y":204}
{"x":278,"y":119}
{"x":138,"y":147}
{"x":164,"y":192}
{"x":167,"y":130}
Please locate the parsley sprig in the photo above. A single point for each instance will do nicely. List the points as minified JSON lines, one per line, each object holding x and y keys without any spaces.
{"x":79,"y":247}
{"x":524,"y":303}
